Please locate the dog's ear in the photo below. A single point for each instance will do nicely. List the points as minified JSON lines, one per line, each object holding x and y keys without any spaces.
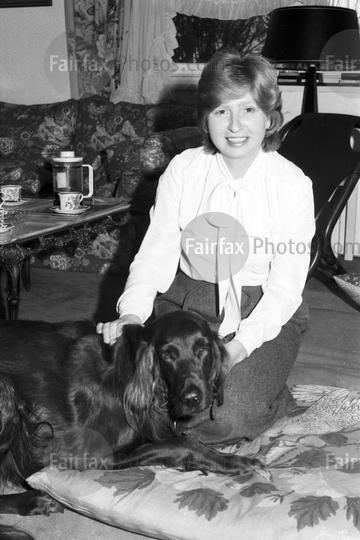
{"x":219,"y":356}
{"x":140,"y":390}
{"x":133,"y":334}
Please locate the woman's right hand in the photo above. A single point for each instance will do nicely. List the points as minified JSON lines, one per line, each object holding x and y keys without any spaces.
{"x":112,"y":330}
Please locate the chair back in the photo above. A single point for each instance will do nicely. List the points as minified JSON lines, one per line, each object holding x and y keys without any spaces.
{"x":326,"y":146}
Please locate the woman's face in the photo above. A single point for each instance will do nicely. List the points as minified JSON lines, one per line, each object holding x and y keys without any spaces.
{"x":237,"y":129}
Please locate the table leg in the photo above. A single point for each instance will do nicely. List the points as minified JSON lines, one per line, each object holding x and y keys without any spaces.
{"x":11,"y":260}
{"x":25,"y":274}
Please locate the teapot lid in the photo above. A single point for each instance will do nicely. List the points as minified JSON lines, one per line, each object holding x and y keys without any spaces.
{"x":67,"y":156}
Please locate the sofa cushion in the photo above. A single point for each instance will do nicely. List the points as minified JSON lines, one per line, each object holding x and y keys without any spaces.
{"x":120,"y":129}
{"x":32,"y":175}
{"x":29,"y":136}
{"x":39,"y":130}
{"x":102,"y":124}
{"x":159,"y":148}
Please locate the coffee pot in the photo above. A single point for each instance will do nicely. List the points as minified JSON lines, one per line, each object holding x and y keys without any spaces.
{"x":68,"y":174}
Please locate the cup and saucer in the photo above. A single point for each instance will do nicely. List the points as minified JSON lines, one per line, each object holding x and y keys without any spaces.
{"x":5,"y":224}
{"x":6,"y":228}
{"x":11,"y":195}
{"x":15,"y":203}
{"x":70,"y":204}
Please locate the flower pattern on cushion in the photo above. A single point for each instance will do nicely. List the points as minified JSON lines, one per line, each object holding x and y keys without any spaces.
{"x":306,"y":489}
{"x":35,"y":128}
{"x":101,"y":124}
{"x":159,"y":148}
{"x":109,"y":137}
{"x":29,"y":136}
{"x":120,"y":129}
{"x":7,"y":146}
{"x":31,"y":176}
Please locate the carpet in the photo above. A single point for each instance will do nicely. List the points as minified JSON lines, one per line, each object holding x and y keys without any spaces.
{"x":329,"y":353}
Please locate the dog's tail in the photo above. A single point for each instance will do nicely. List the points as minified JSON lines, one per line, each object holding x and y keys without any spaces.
{"x":10,"y":533}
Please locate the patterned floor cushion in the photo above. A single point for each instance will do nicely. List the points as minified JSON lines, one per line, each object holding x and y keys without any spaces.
{"x":309,"y":488}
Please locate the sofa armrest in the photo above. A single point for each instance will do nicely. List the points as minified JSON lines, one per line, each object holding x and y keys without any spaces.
{"x":159,"y":148}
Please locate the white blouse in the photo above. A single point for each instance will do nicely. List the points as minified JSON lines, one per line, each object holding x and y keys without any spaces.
{"x":273,"y":201}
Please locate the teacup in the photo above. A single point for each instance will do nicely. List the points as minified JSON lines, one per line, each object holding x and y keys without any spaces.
{"x":10,"y":193}
{"x":70,"y":200}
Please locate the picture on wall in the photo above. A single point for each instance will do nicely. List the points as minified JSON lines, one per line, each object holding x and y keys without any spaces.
{"x":24,"y":3}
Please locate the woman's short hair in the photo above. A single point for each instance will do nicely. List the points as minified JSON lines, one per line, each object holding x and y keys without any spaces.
{"x":227,"y":73}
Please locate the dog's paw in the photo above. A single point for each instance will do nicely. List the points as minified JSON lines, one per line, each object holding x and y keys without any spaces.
{"x":48,"y":506}
{"x":33,"y":503}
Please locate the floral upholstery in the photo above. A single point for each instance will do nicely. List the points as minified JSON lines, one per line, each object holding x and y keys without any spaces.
{"x":29,"y":136}
{"x":160,"y":148}
{"x":116,"y":139}
{"x":110,"y":136}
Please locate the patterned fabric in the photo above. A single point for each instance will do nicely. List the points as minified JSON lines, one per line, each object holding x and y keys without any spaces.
{"x":94,"y":35}
{"x":110,"y":252}
{"x":350,"y":284}
{"x":309,"y":487}
{"x":108,"y":136}
{"x":31,"y":176}
{"x":160,"y":148}
{"x":29,"y":136}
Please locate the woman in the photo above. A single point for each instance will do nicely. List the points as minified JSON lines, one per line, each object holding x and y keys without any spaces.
{"x":236,"y":182}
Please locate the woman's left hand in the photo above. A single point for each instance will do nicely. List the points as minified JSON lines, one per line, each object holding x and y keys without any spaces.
{"x":236,"y":352}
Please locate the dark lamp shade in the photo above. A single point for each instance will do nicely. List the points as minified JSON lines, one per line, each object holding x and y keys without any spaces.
{"x":314,"y":35}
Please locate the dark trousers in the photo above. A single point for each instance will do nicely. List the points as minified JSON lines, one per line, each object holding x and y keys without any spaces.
{"x":255,"y":393}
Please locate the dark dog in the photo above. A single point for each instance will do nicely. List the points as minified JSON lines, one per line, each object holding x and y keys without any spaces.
{"x":66,"y":398}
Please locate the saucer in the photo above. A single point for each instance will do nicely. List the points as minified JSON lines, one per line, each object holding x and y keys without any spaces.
{"x":80,"y":210}
{"x":6,"y":228}
{"x":14,"y":203}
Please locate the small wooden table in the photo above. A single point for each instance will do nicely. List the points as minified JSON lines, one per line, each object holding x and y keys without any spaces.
{"x":37,"y":228}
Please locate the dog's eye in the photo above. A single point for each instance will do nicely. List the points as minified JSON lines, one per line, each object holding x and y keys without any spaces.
{"x":168,"y":354}
{"x":202,"y":349}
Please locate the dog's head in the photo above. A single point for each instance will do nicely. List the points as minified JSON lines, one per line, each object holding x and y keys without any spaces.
{"x":180,"y":357}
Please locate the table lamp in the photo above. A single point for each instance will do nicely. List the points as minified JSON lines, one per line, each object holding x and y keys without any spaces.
{"x":313,"y":37}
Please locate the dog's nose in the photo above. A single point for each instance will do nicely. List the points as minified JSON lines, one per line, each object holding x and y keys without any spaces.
{"x":192,"y":398}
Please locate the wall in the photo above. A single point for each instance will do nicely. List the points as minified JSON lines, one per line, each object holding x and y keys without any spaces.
{"x":27,"y":36}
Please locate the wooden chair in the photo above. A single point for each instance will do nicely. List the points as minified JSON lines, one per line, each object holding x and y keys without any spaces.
{"x":326,"y":146}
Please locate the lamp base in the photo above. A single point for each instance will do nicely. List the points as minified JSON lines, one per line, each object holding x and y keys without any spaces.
{"x":310,"y":98}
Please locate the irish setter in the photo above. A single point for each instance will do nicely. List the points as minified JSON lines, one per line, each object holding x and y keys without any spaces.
{"x":69,"y":399}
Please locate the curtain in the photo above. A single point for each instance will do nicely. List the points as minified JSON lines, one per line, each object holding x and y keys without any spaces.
{"x":96,"y":36}
{"x":147,"y":62}
{"x":151,"y":42}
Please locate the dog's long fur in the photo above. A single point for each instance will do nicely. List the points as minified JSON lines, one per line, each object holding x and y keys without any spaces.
{"x":68,"y":399}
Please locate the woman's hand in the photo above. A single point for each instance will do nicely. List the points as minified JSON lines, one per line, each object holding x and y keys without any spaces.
{"x":236,"y":352}
{"x":112,"y":330}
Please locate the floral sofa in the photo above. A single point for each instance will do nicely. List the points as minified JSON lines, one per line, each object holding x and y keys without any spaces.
{"x":127,"y":144}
